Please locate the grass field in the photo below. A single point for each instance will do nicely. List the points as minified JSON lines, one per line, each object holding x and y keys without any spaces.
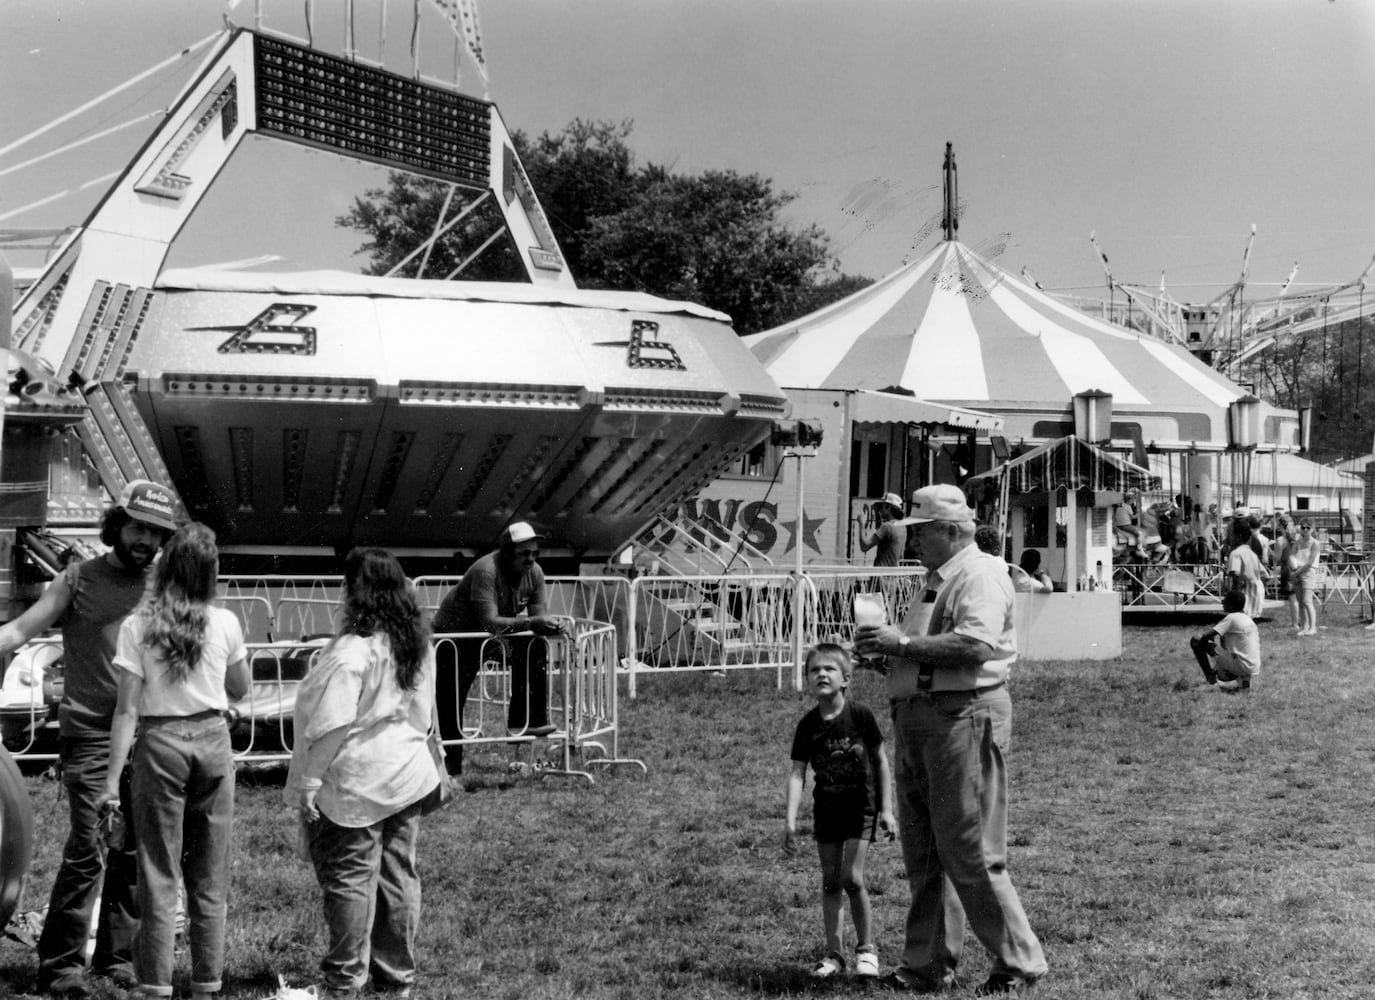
{"x":1170,"y":842}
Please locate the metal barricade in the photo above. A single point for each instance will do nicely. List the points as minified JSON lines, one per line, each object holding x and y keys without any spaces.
{"x":261,"y":724}
{"x":1167,"y":584}
{"x":712,"y":623}
{"x":678,"y":623}
{"x":300,"y":605}
{"x":582,"y":702}
{"x":582,"y":598}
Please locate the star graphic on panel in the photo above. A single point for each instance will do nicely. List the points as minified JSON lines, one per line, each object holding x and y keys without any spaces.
{"x":809,"y":528}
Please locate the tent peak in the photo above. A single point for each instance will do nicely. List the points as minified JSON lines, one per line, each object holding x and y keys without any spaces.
{"x":950,"y":218}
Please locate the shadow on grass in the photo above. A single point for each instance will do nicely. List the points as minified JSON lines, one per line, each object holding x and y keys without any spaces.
{"x":778,"y":979}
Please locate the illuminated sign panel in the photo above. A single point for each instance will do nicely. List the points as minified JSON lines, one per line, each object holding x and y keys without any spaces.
{"x":364,"y":112}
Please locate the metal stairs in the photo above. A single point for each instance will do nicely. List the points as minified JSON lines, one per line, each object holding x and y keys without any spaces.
{"x":699,"y":591}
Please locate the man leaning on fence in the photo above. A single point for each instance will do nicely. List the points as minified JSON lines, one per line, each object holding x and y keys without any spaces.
{"x":952,"y":723}
{"x":503,"y":592}
{"x":90,"y":601}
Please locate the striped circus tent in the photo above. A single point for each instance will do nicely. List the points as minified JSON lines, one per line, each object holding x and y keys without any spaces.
{"x":954,"y":328}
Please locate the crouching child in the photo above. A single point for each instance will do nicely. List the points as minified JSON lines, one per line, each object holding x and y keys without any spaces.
{"x":1229,"y":652}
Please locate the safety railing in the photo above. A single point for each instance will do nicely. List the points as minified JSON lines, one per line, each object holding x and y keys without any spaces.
{"x":746,"y":622}
{"x":1174,"y":585}
{"x":580,"y":669}
{"x":1167,"y":584}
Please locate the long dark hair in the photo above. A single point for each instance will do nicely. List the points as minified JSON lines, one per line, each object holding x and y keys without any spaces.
{"x":379,"y":598}
{"x":177,"y":611}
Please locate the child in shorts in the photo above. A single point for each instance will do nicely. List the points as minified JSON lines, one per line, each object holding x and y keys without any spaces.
{"x":852,"y":798}
{"x":1229,"y":652}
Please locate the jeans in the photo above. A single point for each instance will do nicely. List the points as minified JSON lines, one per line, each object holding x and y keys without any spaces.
{"x":62,"y":945}
{"x":952,"y":815}
{"x":371,"y":899}
{"x":184,"y":812}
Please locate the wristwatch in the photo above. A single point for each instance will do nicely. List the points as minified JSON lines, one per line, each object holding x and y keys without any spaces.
{"x":903,"y":643}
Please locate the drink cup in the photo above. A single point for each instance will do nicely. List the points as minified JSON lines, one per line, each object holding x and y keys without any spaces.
{"x":871,"y":609}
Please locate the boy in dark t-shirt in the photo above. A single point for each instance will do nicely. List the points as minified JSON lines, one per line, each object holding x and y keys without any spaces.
{"x":852,"y":799}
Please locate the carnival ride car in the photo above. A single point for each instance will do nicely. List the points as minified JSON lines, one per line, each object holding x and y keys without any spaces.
{"x":29,"y":695}
{"x":301,"y":412}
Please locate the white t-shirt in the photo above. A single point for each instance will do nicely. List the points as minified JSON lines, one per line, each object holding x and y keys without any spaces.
{"x":1241,"y":639}
{"x":203,"y":687}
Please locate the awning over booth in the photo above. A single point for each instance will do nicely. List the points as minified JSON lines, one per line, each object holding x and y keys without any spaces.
{"x":869,"y":406}
{"x":1070,"y":463}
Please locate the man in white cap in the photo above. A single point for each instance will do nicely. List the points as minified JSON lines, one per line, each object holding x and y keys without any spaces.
{"x":889,"y":536}
{"x":948,"y":664}
{"x":502,"y":592}
{"x":90,"y":600}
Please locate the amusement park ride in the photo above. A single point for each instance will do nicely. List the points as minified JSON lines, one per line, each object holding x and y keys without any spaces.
{"x":1230,"y":330}
{"x":301,"y":412}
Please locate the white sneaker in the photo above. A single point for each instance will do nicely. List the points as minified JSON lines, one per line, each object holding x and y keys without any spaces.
{"x":866,"y":964}
{"x":829,"y":967}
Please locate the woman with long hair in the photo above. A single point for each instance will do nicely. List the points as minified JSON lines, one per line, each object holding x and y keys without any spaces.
{"x":361,"y":774}
{"x":181,"y":661}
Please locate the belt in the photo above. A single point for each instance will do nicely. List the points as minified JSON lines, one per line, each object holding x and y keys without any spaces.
{"x":926,"y":695}
{"x":155,"y":720}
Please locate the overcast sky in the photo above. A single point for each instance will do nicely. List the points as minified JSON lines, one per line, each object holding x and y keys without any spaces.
{"x":1168,"y":127}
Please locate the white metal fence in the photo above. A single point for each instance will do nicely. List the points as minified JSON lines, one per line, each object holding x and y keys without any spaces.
{"x":286,"y":620}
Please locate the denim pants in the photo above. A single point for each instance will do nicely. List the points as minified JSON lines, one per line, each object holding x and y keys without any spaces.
{"x":951,"y":782}
{"x":62,"y":945}
{"x":371,"y":897}
{"x":184,"y":813}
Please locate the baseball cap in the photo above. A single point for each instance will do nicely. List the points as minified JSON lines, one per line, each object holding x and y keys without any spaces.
{"x":521,"y":531}
{"x":149,"y":502}
{"x":893,"y":500}
{"x":939,"y":503}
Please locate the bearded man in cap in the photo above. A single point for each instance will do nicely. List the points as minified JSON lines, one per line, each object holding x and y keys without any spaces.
{"x":948,"y":665}
{"x":502,"y":592}
{"x":89,"y":601}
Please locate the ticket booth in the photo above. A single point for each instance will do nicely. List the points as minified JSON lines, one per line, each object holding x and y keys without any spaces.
{"x":1058,"y":499}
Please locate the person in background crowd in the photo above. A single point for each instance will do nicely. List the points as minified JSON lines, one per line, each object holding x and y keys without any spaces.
{"x":361,"y":773}
{"x":987,"y":540}
{"x":1032,"y":579}
{"x":1229,"y":652}
{"x":888,"y":536}
{"x":181,"y":662}
{"x":502,"y":592}
{"x":1259,"y":542}
{"x":1280,"y":549}
{"x":853,"y":797}
{"x":1305,"y":567}
{"x":1245,"y":572}
{"x":90,"y":601}
{"x":948,"y":664}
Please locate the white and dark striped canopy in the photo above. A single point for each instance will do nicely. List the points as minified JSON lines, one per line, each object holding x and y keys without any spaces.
{"x":955,"y":328}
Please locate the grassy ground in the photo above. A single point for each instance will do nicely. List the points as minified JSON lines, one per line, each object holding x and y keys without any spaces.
{"x":1169,"y":841}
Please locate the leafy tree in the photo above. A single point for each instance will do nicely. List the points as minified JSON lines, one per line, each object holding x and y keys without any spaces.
{"x":401,"y":218}
{"x":582,"y":173}
{"x":715,"y":239}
